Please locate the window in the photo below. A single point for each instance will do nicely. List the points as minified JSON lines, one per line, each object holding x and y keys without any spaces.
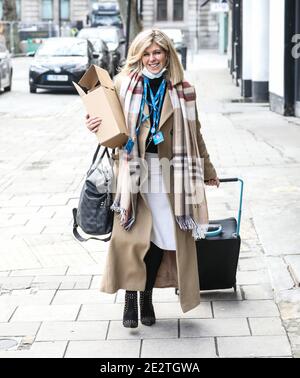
{"x":178,"y":10}
{"x":47,"y":9}
{"x":170,"y":10}
{"x":65,"y":9}
{"x":18,"y":6}
{"x":18,"y":9}
{"x":162,"y":10}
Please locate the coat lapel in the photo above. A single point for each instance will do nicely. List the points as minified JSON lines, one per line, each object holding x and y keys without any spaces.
{"x":166,"y":111}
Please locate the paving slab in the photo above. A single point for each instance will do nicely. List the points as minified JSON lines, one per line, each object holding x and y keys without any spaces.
{"x":54,"y":271}
{"x":80,"y":330}
{"x":101,"y":311}
{"x":163,"y":329}
{"x":6,"y":311}
{"x":293,"y":330}
{"x":54,"y":349}
{"x":103,"y":349}
{"x":62,"y":282}
{"x":266,"y":326}
{"x":214,"y":327}
{"x":254,"y":346}
{"x":281,"y":278}
{"x":82,"y":297}
{"x":249,"y":308}
{"x":262,"y":291}
{"x":289,"y":303}
{"x":45,"y":313}
{"x":179,"y":348}
{"x":19,"y":329}
{"x":173,"y":310}
{"x":252,"y":277}
{"x":12,"y":283}
{"x":27,"y":297}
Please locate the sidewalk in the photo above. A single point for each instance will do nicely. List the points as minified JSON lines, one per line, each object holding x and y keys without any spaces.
{"x":50,"y":305}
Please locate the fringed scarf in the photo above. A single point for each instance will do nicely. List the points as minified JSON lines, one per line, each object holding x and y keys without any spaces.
{"x":189,"y":194}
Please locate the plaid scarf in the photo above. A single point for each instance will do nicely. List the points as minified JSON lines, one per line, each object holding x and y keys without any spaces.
{"x":189,"y":194}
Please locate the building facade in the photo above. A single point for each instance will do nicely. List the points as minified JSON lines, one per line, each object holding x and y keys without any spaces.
{"x":198,"y":24}
{"x":48,"y":10}
{"x":265,"y":52}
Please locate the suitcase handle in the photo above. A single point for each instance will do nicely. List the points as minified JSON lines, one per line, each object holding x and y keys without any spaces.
{"x":240,"y":202}
{"x":229,"y":179}
{"x":213,"y":230}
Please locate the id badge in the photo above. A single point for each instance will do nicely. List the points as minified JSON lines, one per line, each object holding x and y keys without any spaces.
{"x":158,"y":138}
{"x":129,"y":145}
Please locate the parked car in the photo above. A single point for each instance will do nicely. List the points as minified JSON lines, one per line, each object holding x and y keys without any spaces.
{"x":177,"y":38}
{"x":115,"y":40}
{"x":94,"y":36}
{"x":59,"y":61}
{"x":106,"y":13}
{"x":6,"y":70}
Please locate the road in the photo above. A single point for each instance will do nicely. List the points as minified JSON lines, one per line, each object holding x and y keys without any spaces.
{"x":20,"y":103}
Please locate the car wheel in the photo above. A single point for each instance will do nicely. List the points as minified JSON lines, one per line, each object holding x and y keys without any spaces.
{"x":32,"y":89}
{"x":8,"y":88}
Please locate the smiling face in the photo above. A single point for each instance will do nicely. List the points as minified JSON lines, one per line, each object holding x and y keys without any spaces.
{"x":154,"y":58}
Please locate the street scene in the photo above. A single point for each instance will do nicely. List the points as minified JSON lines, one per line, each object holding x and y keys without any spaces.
{"x":50,"y":299}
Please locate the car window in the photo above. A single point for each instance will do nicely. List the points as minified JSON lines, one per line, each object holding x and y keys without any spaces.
{"x":89,"y":33}
{"x":60,"y":47}
{"x":174,"y":34}
{"x":109,"y":35}
{"x":107,"y":19}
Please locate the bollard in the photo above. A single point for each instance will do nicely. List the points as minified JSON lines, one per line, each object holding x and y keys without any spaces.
{"x":183,"y":56}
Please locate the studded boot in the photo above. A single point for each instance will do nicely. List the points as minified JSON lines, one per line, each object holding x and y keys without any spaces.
{"x":130,"y":315}
{"x":146,"y":307}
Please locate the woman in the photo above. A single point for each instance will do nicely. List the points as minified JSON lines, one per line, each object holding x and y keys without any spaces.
{"x":155,"y":226}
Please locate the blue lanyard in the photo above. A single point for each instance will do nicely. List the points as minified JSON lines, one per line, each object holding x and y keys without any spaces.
{"x":154,"y":107}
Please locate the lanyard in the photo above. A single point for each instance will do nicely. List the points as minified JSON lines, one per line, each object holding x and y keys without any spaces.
{"x":154,"y":107}
{"x":156,"y":104}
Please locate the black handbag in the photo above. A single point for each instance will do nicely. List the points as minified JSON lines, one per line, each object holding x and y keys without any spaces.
{"x":93,"y":214}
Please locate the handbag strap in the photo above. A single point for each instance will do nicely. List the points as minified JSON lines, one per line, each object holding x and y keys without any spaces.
{"x":78,"y":236}
{"x":105,"y":151}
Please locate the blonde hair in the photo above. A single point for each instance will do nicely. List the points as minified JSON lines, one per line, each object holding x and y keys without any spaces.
{"x":144,"y":40}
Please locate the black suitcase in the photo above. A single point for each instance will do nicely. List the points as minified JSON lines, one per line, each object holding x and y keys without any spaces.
{"x":218,"y":254}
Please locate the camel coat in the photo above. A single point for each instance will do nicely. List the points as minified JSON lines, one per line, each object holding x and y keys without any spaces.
{"x":125,"y":268}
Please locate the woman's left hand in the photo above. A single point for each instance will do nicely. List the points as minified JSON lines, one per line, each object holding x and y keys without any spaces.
{"x":213,"y":182}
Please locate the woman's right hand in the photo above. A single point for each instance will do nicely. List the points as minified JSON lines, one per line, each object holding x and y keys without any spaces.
{"x":93,"y":123}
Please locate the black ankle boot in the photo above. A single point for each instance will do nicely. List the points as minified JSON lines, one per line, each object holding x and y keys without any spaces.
{"x":130,"y":315}
{"x":147,"y":309}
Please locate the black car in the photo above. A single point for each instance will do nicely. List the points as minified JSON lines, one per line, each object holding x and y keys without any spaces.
{"x":5,"y":68}
{"x":94,"y":36}
{"x":106,"y":13}
{"x":59,"y":61}
{"x":115,"y":40}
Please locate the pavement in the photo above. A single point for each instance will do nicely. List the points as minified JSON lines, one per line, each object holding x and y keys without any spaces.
{"x":50,"y":303}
